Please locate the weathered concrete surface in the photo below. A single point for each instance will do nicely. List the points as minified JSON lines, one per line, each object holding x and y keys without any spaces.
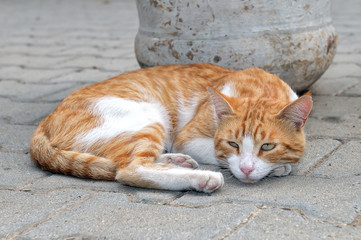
{"x":295,"y":40}
{"x":50,"y":48}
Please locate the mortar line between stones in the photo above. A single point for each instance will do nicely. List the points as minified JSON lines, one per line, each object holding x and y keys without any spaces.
{"x":51,"y":67}
{"x":323,"y":159}
{"x":304,"y":215}
{"x":16,"y":234}
{"x":338,"y":94}
{"x":242,"y":223}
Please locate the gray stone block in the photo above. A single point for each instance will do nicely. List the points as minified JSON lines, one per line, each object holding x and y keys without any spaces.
{"x":86,"y":75}
{"x":122,"y":49}
{"x":316,"y":150}
{"x":346,"y":161}
{"x":322,"y":199}
{"x":59,"y":96}
{"x":24,"y":113}
{"x":30,"y":61}
{"x":104,"y":64}
{"x":336,"y":108}
{"x":59,"y":181}
{"x":17,"y":170}
{"x":22,"y":210}
{"x":333,"y":127}
{"x":354,"y":91}
{"x":333,"y":86}
{"x":116,"y":218}
{"x":28,"y":91}
{"x":343,"y":70}
{"x":285,"y":224}
{"x":26,"y":75}
{"x":26,"y":45}
{"x":15,"y":138}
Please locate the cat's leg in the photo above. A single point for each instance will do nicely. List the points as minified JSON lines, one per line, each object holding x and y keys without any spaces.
{"x":178,"y":159}
{"x":195,"y":144}
{"x":143,"y":169}
{"x":170,"y":178}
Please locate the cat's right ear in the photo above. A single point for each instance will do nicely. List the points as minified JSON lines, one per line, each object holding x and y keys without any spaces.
{"x":221,"y":106}
{"x":297,"y":112}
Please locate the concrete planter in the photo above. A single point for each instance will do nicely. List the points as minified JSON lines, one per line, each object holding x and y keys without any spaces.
{"x":293,"y":39}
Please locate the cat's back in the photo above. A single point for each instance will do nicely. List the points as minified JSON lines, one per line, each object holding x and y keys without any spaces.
{"x":256,"y":83}
{"x":158,"y":82}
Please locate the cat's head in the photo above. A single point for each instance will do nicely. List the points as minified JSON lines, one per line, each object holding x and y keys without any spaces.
{"x":257,"y":138}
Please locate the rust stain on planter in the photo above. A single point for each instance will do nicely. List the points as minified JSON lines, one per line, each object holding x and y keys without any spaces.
{"x":190,"y":55}
{"x":331,"y":42}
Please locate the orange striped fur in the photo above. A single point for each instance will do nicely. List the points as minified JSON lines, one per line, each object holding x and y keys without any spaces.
{"x":120,"y":128}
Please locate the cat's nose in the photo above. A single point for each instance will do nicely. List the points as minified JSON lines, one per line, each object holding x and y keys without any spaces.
{"x":247,"y":170}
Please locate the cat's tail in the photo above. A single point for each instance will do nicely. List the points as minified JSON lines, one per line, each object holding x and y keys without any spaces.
{"x":83,"y":165}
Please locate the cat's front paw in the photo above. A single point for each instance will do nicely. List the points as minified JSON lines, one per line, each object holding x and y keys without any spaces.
{"x":281,"y":171}
{"x":178,"y":159}
{"x":207,"y":181}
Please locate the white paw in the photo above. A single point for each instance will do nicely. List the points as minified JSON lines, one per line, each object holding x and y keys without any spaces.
{"x":178,"y":159}
{"x":207,"y":181}
{"x":281,"y":171}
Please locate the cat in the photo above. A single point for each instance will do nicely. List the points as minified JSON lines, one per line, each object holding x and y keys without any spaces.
{"x":151,"y":127}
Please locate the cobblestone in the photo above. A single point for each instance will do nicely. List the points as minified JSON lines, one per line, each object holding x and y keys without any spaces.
{"x":50,"y":48}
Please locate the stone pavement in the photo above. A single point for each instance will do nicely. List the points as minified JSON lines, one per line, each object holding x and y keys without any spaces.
{"x":49,"y":48}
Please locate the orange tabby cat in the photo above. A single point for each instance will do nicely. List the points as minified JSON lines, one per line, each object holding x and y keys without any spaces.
{"x":249,"y":121}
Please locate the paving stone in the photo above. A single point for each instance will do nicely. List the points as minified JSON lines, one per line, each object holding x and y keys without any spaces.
{"x":322,"y":199}
{"x":121,"y":51}
{"x":151,"y":196}
{"x":59,"y":181}
{"x":29,"y":48}
{"x":316,"y":150}
{"x":85,"y":75}
{"x":343,"y":70}
{"x":333,"y":127}
{"x":17,"y":170}
{"x":354,"y":47}
{"x":335,"y":117}
{"x":333,"y":86}
{"x":354,"y":91}
{"x":345,"y":161}
{"x":31,"y":75}
{"x":24,"y":113}
{"x":31,"y":61}
{"x":23,"y":209}
{"x":15,"y":138}
{"x":119,"y":219}
{"x":106,"y":64}
{"x":336,"y":108}
{"x":347,"y":58}
{"x":59,"y":96}
{"x":28,"y":91}
{"x":283,"y":224}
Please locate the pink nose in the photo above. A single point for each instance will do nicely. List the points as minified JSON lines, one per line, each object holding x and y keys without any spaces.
{"x":247,"y":170}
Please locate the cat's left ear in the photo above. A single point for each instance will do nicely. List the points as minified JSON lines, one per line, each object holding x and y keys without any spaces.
{"x":220,"y":104}
{"x":297,"y":112}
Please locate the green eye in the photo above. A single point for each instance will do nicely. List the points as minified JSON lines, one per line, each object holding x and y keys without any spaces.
{"x":233,"y":144}
{"x":268,"y":146}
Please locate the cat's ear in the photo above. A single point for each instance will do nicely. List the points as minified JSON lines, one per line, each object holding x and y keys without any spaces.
{"x":221,"y":106}
{"x":297,"y":112}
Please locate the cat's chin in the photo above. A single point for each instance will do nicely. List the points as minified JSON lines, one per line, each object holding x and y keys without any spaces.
{"x":248,"y":180}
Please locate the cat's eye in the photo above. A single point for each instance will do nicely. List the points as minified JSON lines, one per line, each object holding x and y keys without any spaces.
{"x":233,"y":144}
{"x":268,"y":146}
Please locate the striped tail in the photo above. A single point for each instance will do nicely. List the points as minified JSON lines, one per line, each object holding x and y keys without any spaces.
{"x":83,"y":165}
